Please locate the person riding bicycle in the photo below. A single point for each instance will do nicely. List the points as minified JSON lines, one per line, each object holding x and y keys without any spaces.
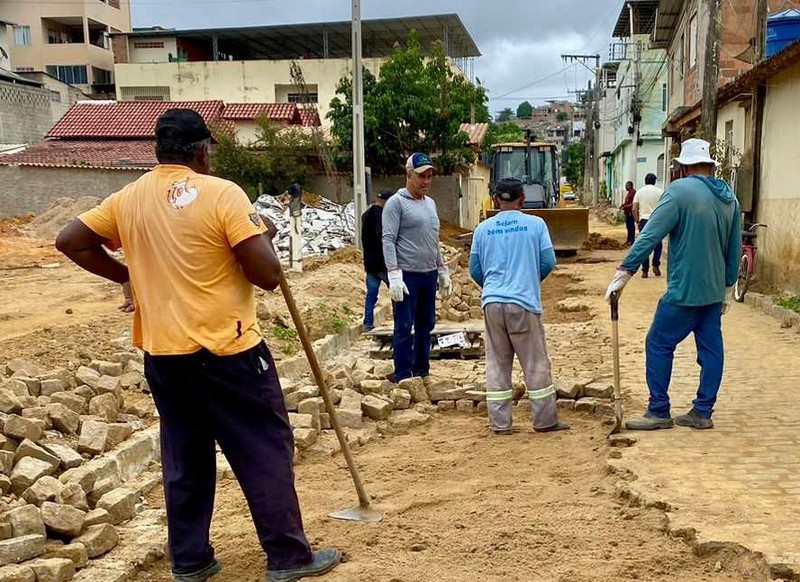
{"x":702,"y":217}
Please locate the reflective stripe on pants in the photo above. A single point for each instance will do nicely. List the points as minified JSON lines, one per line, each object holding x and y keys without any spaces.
{"x":510,"y":330}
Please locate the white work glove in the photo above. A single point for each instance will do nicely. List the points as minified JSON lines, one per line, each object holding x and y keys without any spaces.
{"x":726,"y":303}
{"x":397,"y":288}
{"x":445,"y":284}
{"x":618,"y":283}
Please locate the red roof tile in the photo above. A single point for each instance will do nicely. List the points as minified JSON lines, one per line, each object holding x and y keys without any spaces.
{"x":310,"y":118}
{"x":124,"y":119}
{"x":274,"y":111}
{"x":118,"y":155}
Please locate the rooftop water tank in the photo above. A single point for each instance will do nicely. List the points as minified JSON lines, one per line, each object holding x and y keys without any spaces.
{"x":783,"y":28}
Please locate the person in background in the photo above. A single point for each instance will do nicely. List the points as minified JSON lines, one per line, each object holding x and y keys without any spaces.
{"x":374,"y":264}
{"x":627,"y":209}
{"x":644,"y":202}
{"x":195,"y":247}
{"x":415,"y":268}
{"x":511,"y":254}
{"x":702,"y":217}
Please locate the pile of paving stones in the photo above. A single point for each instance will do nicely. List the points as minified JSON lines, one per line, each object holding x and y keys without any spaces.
{"x":327,"y":226}
{"x":368,"y":403}
{"x":62,"y":497}
{"x":465,"y":301}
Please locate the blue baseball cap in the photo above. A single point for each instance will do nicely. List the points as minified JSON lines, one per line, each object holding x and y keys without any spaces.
{"x":419,"y":163}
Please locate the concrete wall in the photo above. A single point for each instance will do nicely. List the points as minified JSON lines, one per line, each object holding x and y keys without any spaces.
{"x":137,"y":53}
{"x":236,"y":81}
{"x":445,"y":191}
{"x":26,"y":189}
{"x":25,"y":113}
{"x":779,"y":197}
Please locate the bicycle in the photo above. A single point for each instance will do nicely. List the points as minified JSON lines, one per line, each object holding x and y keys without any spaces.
{"x":747,"y":264}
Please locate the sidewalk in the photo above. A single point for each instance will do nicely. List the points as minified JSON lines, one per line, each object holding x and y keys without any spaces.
{"x":738,"y":483}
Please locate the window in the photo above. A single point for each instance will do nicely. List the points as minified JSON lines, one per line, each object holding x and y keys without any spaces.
{"x":681,"y":65}
{"x":55,"y":96}
{"x":24,"y":69}
{"x":70,"y":74}
{"x":148,"y":45}
{"x":693,"y":41}
{"x":101,"y":76}
{"x":729,"y":142}
{"x":663,"y":97}
{"x":660,"y":169}
{"x":22,"y":35}
{"x":301,"y":98}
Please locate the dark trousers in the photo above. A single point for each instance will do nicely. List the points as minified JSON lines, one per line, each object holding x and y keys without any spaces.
{"x":630,"y":225}
{"x":671,"y":325}
{"x":659,"y":248}
{"x":237,"y":402}
{"x":418,"y":311}
{"x":374,"y":281}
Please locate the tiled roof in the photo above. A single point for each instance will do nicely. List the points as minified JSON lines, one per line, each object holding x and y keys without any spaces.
{"x":274,"y":111}
{"x":310,"y":118}
{"x":118,"y":155}
{"x":124,"y":119}
{"x":476,"y":132}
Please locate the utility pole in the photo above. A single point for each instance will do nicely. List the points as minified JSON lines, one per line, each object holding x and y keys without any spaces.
{"x":359,"y":163}
{"x":636,"y":111}
{"x":708,"y":120}
{"x":592,"y":169}
{"x":757,"y":111}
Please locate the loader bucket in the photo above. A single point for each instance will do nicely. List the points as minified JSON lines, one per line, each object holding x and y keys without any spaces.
{"x":569,"y":227}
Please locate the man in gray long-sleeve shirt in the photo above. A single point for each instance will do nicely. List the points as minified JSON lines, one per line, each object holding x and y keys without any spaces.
{"x":415,"y":267}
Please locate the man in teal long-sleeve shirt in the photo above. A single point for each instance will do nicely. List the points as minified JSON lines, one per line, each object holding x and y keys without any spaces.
{"x":702,"y":218}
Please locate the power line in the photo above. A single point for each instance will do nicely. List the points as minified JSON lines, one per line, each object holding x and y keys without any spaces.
{"x":532,"y":83}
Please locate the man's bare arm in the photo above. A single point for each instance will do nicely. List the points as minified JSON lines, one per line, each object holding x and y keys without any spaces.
{"x":84,"y":247}
{"x":258,"y":258}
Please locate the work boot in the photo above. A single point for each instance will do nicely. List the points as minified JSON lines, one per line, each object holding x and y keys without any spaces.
{"x":560,"y":425}
{"x":694,"y":420}
{"x":645,"y":275}
{"x":649,"y":422}
{"x":656,"y":271}
{"x":503,"y":431}
{"x":203,"y":575}
{"x":324,"y":561}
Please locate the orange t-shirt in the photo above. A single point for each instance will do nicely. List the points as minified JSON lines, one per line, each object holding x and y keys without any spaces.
{"x":178,"y":229}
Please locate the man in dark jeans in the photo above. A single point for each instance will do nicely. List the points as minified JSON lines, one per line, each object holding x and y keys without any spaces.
{"x":194,"y":248}
{"x":415,"y":268}
{"x":374,"y":265}
{"x":627,"y":209}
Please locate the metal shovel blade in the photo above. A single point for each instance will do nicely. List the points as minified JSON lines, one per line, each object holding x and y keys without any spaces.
{"x":360,"y":513}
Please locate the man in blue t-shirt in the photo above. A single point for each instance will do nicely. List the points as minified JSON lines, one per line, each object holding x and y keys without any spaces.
{"x":511,"y":254}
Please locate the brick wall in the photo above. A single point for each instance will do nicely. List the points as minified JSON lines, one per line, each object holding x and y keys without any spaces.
{"x":26,"y":189}
{"x":119,"y":45}
{"x":25,"y":113}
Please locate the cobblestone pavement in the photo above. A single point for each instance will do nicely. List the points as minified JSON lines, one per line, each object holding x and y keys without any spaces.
{"x":740,"y":482}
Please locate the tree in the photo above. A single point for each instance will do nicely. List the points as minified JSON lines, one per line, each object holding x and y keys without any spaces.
{"x":505,"y":115}
{"x":416,"y":104}
{"x":502,"y":133}
{"x":278,"y":157}
{"x":576,"y":161}
{"x":525,"y":110}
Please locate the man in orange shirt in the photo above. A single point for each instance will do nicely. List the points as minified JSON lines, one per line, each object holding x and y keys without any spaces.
{"x":195,"y":247}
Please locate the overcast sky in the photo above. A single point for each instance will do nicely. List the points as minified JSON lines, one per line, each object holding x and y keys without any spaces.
{"x":521,"y":40}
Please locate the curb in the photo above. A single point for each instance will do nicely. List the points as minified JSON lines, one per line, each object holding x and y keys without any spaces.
{"x":766,"y":305}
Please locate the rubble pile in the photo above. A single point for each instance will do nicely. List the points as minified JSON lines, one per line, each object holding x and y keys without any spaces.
{"x":327,"y":226}
{"x":74,"y":448}
{"x":465,"y":301}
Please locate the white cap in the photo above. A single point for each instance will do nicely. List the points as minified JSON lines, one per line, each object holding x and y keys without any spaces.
{"x":695,"y":151}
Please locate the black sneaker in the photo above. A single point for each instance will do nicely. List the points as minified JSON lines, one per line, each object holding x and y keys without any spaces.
{"x":203,"y":575}
{"x":692,"y":420}
{"x":645,"y":275}
{"x":656,"y":271}
{"x":324,"y":561}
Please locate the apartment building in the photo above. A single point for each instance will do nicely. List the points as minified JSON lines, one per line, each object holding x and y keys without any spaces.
{"x":67,"y":39}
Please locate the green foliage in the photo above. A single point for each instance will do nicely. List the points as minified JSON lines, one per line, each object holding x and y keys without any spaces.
{"x":284,"y":333}
{"x":525,"y":110}
{"x":416,"y":104}
{"x":791,"y":302}
{"x":561,"y":116}
{"x":502,"y":133}
{"x":576,"y":161}
{"x":278,"y":157}
{"x":506,"y":114}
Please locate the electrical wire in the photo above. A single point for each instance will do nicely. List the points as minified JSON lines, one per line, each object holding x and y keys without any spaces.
{"x":532,"y":83}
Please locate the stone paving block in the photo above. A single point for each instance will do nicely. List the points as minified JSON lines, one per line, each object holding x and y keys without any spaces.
{"x":120,"y":504}
{"x":28,"y":448}
{"x":83,"y":476}
{"x":415,"y":387}
{"x":94,"y":437}
{"x":17,"y":573}
{"x":67,"y":457}
{"x":25,"y":520}
{"x":9,"y":402}
{"x":26,"y":472}
{"x":401,"y":399}
{"x":376,"y":408}
{"x":74,"y":552}
{"x":53,"y":569}
{"x":62,"y":520}
{"x":74,"y":495}
{"x":98,"y":539}
{"x":72,"y":400}
{"x":349,"y":418}
{"x":54,"y":386}
{"x":45,"y":489}
{"x":20,"y":428}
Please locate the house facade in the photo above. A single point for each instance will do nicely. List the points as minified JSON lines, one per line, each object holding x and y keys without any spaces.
{"x":67,"y":39}
{"x":247,"y":65}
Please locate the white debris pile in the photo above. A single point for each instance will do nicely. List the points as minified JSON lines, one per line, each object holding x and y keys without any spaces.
{"x":327,"y":226}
